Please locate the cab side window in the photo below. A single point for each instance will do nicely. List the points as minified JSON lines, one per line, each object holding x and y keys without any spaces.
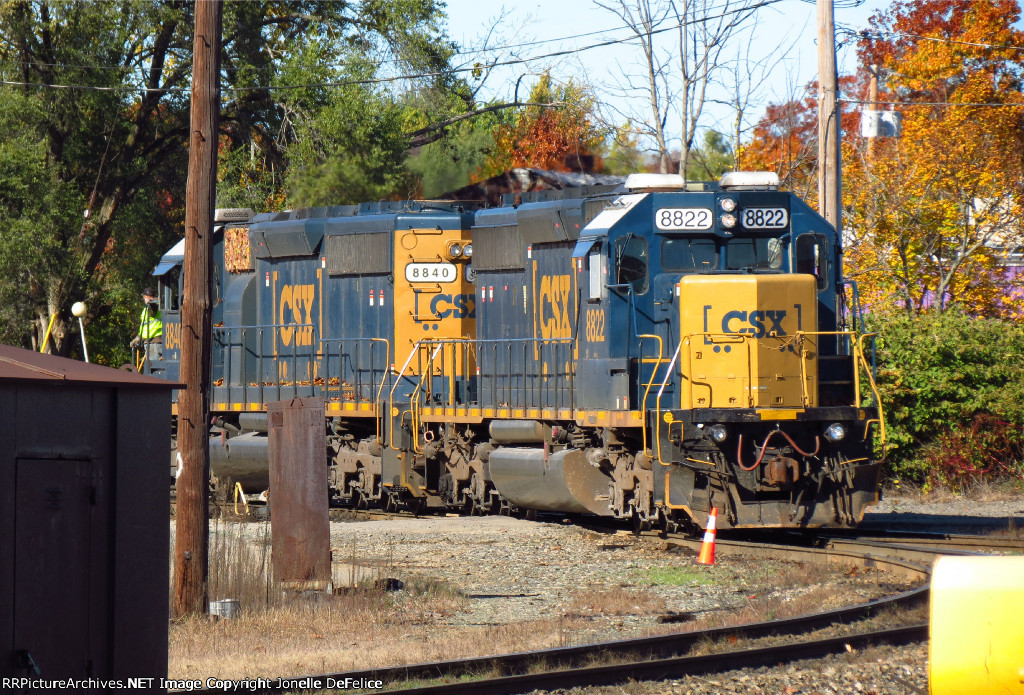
{"x":812,"y":257}
{"x":631,"y":258}
{"x":169,"y":289}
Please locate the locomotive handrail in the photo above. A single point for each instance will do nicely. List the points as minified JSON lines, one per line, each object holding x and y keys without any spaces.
{"x":260,"y":355}
{"x":657,"y":402}
{"x":650,"y":382}
{"x":414,"y":405}
{"x":858,"y":344}
{"x":398,"y":380}
{"x":874,"y":389}
{"x":378,"y":414}
{"x":325,"y":357}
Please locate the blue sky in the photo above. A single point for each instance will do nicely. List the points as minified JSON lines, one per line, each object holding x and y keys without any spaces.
{"x":558,"y":25}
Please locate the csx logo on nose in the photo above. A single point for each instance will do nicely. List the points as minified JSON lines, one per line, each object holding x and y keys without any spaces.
{"x":757,"y":323}
{"x":459,"y":306}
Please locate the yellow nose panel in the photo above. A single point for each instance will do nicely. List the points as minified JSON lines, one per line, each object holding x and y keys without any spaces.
{"x":742,"y":346}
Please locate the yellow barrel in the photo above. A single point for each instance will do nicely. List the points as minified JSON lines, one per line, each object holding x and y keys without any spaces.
{"x":977,"y":626}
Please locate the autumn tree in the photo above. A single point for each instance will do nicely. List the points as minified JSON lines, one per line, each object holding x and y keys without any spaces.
{"x":785,"y":139}
{"x":932,"y":213}
{"x":557,"y":132}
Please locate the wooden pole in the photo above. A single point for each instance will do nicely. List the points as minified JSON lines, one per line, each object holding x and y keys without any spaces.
{"x":829,"y":192}
{"x":872,"y":106}
{"x":191,"y":543}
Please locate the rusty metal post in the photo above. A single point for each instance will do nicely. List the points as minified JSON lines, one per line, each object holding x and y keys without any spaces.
{"x":299,"y":524}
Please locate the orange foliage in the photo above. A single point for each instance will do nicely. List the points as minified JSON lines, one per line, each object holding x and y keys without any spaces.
{"x":928,"y":217}
{"x":932,"y":214}
{"x":559,"y":137}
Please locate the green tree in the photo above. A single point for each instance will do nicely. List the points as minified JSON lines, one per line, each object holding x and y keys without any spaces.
{"x":710,"y":159}
{"x":451,"y":163}
{"x":303,"y":106}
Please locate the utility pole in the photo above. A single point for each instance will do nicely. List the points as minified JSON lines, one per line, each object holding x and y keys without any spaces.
{"x":191,"y":541}
{"x":829,"y":191}
{"x":872,"y":105}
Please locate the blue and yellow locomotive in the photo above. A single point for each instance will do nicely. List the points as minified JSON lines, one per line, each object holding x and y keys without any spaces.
{"x":647,"y":351}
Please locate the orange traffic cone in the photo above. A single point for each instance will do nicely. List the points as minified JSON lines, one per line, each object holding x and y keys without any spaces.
{"x":707,"y":548}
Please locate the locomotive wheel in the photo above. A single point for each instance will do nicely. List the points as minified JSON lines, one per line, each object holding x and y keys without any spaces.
{"x":359,"y":499}
{"x":478,"y":496}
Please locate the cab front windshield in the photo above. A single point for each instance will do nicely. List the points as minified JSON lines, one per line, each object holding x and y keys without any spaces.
{"x":701,"y":255}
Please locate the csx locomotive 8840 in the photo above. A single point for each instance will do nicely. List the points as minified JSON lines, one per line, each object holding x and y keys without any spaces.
{"x":646,"y":352}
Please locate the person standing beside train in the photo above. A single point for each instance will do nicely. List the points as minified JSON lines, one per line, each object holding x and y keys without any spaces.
{"x":151,"y":327}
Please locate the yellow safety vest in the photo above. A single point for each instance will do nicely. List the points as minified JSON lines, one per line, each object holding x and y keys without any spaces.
{"x":150,"y":327}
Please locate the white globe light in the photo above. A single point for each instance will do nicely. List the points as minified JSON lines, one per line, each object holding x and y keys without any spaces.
{"x":79,"y":309}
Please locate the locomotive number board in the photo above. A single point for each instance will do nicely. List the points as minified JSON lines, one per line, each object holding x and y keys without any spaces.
{"x":687,"y":219}
{"x":764,"y":218}
{"x":431,"y":272}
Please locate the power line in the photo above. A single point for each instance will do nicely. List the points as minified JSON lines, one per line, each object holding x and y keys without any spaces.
{"x":930,"y":103}
{"x":408,"y":76}
{"x":880,"y":34}
{"x":457,"y":53}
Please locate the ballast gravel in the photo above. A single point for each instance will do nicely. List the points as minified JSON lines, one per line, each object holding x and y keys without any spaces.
{"x":513,"y":571}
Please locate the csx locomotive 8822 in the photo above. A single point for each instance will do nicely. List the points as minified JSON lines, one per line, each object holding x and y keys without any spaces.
{"x":647,"y":351}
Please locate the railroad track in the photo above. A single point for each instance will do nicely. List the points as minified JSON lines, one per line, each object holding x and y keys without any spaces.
{"x":667,"y":656}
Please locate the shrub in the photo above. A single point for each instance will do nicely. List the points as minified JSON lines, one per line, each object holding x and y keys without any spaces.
{"x":988,"y":447}
{"x":937,"y":374}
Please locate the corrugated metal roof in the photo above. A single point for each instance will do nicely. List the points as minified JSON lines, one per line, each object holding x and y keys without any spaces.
{"x":17,"y":364}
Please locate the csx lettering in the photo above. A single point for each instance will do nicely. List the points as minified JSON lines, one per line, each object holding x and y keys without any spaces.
{"x":294,"y":310}
{"x":757,"y":323}
{"x":554,"y":298}
{"x":458,"y":306}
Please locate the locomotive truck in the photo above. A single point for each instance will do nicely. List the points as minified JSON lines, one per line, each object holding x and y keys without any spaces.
{"x":645,"y":351}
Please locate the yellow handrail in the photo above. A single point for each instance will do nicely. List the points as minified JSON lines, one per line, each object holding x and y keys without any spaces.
{"x":657,"y":401}
{"x":650,"y":383}
{"x":859,"y":349}
{"x":378,"y":416}
{"x":414,"y":406}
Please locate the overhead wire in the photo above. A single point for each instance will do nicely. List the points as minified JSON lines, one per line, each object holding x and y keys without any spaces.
{"x":407,"y":76}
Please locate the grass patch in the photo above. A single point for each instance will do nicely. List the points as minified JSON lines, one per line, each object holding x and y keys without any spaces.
{"x":678,"y":576}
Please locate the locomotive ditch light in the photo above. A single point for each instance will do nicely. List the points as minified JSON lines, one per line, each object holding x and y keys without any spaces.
{"x":727,"y":204}
{"x":719,"y":433}
{"x":728,"y":220}
{"x":835,"y":432}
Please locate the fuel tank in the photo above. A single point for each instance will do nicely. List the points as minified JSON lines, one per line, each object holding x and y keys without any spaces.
{"x":562,"y":481}
{"x":243,"y":459}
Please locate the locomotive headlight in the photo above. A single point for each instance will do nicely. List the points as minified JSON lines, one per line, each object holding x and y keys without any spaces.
{"x":835,"y":432}
{"x":718,"y":432}
{"x":727,"y":204}
{"x":455,"y":250}
{"x":467,"y":250}
{"x":728,"y":220}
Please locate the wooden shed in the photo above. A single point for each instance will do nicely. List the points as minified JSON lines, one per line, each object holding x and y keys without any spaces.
{"x":84,"y":532}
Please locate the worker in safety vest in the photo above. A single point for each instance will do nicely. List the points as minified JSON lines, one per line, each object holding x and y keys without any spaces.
{"x":151,"y":327}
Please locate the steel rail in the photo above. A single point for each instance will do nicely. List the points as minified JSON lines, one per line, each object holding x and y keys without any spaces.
{"x":663,"y":656}
{"x":664,"y":651}
{"x":672,"y":668}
